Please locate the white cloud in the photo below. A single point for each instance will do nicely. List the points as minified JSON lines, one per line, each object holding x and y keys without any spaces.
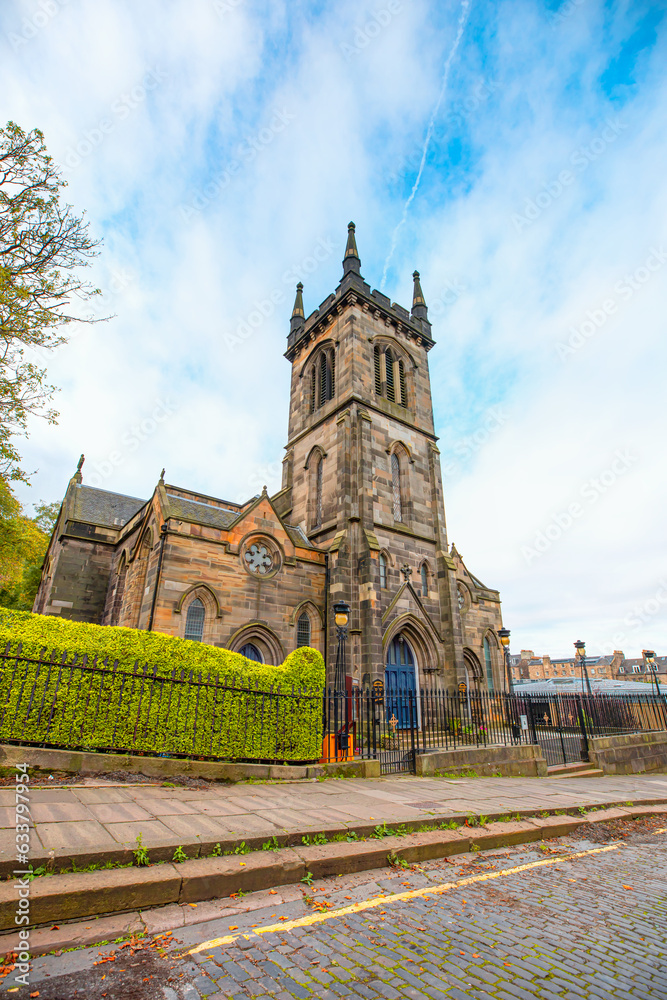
{"x":524,"y":98}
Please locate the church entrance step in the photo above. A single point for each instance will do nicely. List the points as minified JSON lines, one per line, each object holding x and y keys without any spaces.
{"x":583,"y":770}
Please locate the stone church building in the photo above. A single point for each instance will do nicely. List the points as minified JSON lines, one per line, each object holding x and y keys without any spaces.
{"x":360,"y":517}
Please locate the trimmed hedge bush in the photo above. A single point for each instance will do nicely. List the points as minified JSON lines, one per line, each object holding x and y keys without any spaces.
{"x":165,"y":695}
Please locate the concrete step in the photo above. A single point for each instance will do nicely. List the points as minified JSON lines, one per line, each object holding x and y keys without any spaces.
{"x":579,"y":770}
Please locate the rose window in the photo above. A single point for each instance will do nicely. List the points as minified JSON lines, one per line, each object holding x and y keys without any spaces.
{"x":258,"y":559}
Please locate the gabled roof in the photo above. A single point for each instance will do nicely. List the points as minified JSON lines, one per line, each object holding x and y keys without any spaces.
{"x":108,"y":510}
{"x":199,"y":512}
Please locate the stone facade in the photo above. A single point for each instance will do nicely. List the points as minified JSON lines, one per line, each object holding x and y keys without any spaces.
{"x":360,"y":517}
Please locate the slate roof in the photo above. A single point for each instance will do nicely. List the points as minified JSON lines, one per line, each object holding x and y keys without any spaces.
{"x":199,"y":512}
{"x":109,"y":510}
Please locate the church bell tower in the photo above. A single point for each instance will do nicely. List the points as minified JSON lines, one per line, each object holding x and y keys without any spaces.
{"x":361,"y":477}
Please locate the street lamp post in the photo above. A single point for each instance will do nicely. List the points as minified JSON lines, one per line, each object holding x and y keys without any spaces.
{"x":504,"y":636}
{"x":649,"y":660}
{"x":580,"y":647}
{"x":342,"y":618}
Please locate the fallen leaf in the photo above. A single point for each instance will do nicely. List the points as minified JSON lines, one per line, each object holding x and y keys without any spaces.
{"x":192,"y":904}
{"x":475,"y":955}
{"x":282,"y":918}
{"x":35,"y":994}
{"x":348,"y":897}
{"x":233,"y":927}
{"x":272,"y":892}
{"x":57,"y":928}
{"x":382,"y":912}
{"x":461,"y":953}
{"x":628,"y":887}
{"x":242,"y":863}
{"x":104,"y":976}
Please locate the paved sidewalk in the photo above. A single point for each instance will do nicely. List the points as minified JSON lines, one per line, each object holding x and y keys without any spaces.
{"x":81,"y":818}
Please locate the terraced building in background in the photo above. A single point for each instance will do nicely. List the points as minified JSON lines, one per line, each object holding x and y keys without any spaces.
{"x":360,"y":516}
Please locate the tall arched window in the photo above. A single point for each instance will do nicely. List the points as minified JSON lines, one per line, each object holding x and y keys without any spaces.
{"x":383,"y":571}
{"x":424,"y":574}
{"x":194,"y":622}
{"x":318,"y":491}
{"x":488,"y":664}
{"x":303,"y":630}
{"x":118,"y":595}
{"x":396,"y":487}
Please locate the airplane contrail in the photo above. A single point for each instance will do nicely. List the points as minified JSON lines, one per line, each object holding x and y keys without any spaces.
{"x":463,"y":17}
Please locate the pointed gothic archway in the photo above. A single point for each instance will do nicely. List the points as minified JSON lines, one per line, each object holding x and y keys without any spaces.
{"x":400,"y":680}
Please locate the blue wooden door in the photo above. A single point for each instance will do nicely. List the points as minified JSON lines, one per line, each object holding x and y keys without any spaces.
{"x":399,"y":682}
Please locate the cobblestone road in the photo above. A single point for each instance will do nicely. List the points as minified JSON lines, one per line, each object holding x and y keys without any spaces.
{"x":566,"y":927}
{"x":594,"y":926}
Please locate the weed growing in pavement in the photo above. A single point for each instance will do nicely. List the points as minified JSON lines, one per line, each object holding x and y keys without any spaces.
{"x":179,"y":854}
{"x":401,"y":831}
{"x":168,"y":784}
{"x":560,"y":812}
{"x":629,"y":803}
{"x":239,"y":849}
{"x":317,"y":839}
{"x":381,"y":831}
{"x":471,"y":820}
{"x":394,"y":861}
{"x":483,"y":820}
{"x":271,"y":845}
{"x":141,"y":854}
{"x":544,"y":813}
{"x":582,"y":810}
{"x":216,"y":852}
{"x":475,"y":847}
{"x":505,"y":819}
{"x":308,"y":879}
{"x":449,"y":825}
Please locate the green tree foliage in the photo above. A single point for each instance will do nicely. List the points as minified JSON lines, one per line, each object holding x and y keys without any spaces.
{"x":43,"y":246}
{"x":23,"y":543}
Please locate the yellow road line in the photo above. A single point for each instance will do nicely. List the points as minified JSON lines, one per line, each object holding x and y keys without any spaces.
{"x":399,"y":897}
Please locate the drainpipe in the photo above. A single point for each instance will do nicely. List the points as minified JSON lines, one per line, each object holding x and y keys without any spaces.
{"x":163,"y":532}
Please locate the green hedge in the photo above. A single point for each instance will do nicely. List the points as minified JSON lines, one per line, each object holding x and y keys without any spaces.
{"x":166,"y":695}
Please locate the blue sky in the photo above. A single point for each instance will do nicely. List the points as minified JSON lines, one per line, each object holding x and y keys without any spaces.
{"x":221,"y":146}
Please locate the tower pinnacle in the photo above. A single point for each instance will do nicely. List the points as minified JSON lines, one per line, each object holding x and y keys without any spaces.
{"x":351,"y":261}
{"x":419,"y":308}
{"x":298,"y":317}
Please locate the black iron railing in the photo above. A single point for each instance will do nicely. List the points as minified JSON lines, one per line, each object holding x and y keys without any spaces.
{"x":70,"y":702}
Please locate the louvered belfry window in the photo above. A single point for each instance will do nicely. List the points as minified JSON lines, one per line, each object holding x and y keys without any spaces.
{"x":378,"y":372}
{"x":403,"y":399}
{"x":389,"y":365}
{"x":322,"y":380}
{"x":194,"y":623}
{"x":303,"y":630}
{"x":396,"y":487}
